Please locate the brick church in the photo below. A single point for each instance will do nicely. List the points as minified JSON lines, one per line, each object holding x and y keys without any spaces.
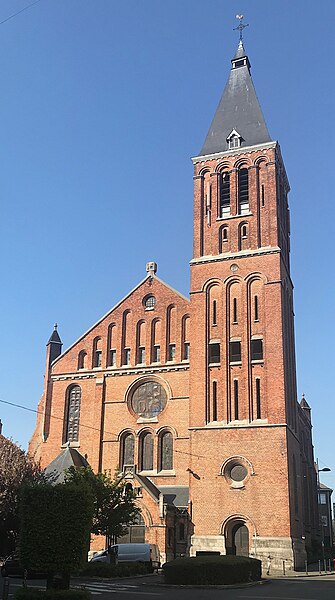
{"x":195,"y":399}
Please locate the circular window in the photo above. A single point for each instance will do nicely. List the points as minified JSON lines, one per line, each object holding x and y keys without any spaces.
{"x":148,"y":400}
{"x":149,"y":302}
{"x":238,"y":473}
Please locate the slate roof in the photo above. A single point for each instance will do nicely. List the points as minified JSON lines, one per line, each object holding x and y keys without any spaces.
{"x":54,"y":337}
{"x":177,"y":495}
{"x":238,"y":109}
{"x":69,"y":457}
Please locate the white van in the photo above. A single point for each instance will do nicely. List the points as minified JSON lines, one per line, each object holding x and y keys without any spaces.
{"x":147,"y":554}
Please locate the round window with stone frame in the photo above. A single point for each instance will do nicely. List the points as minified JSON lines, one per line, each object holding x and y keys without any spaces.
{"x":148,"y":399}
{"x":236,"y":472}
{"x":149,"y":302}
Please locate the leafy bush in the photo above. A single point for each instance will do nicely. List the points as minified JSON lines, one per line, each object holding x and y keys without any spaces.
{"x":55,"y":528}
{"x":102,"y":569}
{"x":36,"y":594}
{"x":212,"y":570}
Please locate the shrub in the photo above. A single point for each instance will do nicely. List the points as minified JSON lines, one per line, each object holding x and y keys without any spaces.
{"x":36,"y":594}
{"x":102,"y":569}
{"x":212,"y":570}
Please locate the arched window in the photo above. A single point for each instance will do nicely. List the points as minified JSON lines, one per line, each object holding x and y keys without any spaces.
{"x":72,"y":414}
{"x":224,"y":194}
{"x":111,"y":357}
{"x":82,"y":362}
{"x":97,"y":352}
{"x":166,"y":451}
{"x":185,"y":337}
{"x":243,"y":243}
{"x":243,"y":191}
{"x":147,"y":452}
{"x":127,"y":450}
{"x":223,"y":238}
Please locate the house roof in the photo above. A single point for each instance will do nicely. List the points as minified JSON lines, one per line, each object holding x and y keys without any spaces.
{"x":69,"y":457}
{"x":176,"y":495}
{"x":238,"y":109}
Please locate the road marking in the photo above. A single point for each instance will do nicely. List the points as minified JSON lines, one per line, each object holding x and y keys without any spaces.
{"x":277,"y":598}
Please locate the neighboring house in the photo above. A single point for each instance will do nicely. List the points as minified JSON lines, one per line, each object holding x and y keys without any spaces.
{"x":195,"y":398}
{"x":325,"y":513}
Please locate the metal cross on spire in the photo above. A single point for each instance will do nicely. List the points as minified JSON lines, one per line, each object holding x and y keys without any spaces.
{"x":240,"y":26}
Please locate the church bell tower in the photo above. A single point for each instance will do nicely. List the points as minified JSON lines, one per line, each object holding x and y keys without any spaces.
{"x":245,"y":451}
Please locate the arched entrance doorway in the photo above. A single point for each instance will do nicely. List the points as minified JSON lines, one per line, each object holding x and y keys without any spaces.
{"x":237,"y":538}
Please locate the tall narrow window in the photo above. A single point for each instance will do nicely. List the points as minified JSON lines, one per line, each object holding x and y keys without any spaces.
{"x":172,"y":352}
{"x":147,"y":452}
{"x":257,"y":349}
{"x":256,"y":315}
{"x":166,"y":451}
{"x":236,"y":399}
{"x":214,"y":313}
{"x":126,"y":356}
{"x":112,"y":357}
{"x":262,"y":195}
{"x":97,"y":352}
{"x":72,"y":414}
{"x":243,"y":191}
{"x":127,"y":450}
{"x":235,"y":351}
{"x":214,"y":352}
{"x":185,"y":332}
{"x":141,"y":355}
{"x":225,"y":195}
{"x":235,"y":310}
{"x":215,"y":401}
{"x":156,"y":353}
{"x":258,"y":398}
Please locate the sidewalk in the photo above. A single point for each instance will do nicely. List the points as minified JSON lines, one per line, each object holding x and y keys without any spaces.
{"x":313,"y":571}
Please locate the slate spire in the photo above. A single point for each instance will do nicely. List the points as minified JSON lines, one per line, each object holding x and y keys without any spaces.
{"x":238,"y":110}
{"x":55,"y":345}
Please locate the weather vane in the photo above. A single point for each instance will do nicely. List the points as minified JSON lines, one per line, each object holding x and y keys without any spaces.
{"x":240,"y":26}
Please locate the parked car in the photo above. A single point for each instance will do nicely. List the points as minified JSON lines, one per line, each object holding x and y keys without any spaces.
{"x":147,"y":554}
{"x":12,"y":567}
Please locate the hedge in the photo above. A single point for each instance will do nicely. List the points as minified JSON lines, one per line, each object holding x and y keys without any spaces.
{"x":37,"y":594}
{"x":102,"y":569}
{"x":212,"y":570}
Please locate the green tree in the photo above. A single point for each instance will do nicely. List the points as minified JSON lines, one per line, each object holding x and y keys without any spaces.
{"x":114,"y":502}
{"x":16,"y":469}
{"x":55,"y":525}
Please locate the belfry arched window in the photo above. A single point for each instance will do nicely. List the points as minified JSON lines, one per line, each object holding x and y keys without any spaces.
{"x":166,"y":451}
{"x":72,"y":414}
{"x":146,"y":451}
{"x":127,"y":450}
{"x":243,"y":191}
{"x":224,"y":194}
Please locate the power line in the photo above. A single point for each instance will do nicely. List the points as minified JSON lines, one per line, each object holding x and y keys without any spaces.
{"x":40,"y":412}
{"x":19,"y":11}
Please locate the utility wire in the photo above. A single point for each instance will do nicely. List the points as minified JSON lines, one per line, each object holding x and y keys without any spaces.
{"x":40,"y":412}
{"x":20,"y":11}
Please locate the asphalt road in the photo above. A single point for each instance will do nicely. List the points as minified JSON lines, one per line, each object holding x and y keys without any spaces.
{"x":295,"y":588}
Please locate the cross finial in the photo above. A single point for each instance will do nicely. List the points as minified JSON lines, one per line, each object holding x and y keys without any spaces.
{"x":240,"y":26}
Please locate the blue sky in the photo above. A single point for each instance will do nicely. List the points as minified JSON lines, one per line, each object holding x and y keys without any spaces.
{"x":102,"y":104}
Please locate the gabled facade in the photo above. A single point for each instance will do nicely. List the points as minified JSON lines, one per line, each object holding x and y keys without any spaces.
{"x":200,"y":395}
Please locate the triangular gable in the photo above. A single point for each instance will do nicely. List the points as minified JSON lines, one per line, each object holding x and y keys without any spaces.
{"x":150,"y":276}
